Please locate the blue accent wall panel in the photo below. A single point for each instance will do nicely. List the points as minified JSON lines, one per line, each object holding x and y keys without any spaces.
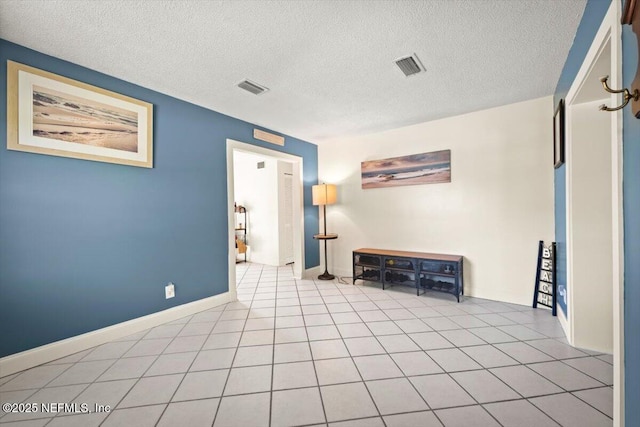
{"x":631,"y":202}
{"x":560,"y":210}
{"x":85,"y":245}
{"x":594,"y":13}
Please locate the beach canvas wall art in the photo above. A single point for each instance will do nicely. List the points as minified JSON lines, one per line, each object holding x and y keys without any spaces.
{"x":425,"y":168}
{"x":51,"y":114}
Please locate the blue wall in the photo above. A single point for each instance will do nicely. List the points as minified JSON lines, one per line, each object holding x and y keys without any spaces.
{"x":560,"y":207}
{"x":594,"y":12}
{"x":593,"y":15}
{"x":631,"y":201}
{"x":85,"y":245}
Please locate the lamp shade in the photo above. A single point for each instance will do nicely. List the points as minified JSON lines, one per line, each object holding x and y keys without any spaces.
{"x":324,"y":194}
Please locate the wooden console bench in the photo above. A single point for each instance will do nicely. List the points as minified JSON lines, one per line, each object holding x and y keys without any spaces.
{"x":436,"y":272}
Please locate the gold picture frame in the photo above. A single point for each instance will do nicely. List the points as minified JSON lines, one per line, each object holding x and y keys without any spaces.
{"x":58,"y":116}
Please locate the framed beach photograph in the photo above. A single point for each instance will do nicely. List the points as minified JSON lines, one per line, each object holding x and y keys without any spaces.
{"x":425,"y":168}
{"x":558,"y":135}
{"x":58,"y":116}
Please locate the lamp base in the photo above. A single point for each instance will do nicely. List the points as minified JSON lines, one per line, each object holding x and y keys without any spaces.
{"x":326,"y":276}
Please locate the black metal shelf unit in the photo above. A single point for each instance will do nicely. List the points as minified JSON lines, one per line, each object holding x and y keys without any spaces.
{"x":425,"y":271}
{"x":241,"y":231}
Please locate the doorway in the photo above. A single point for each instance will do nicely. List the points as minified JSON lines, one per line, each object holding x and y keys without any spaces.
{"x":289,"y":212}
{"x":594,"y":206}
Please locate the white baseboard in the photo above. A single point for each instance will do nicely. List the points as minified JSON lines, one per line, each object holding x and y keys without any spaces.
{"x":46,"y":353}
{"x":565,"y":325}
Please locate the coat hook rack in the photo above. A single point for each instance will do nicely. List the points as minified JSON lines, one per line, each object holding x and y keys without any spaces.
{"x":628,"y":96}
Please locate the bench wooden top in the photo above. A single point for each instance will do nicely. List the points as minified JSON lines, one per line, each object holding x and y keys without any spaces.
{"x":406,"y":254}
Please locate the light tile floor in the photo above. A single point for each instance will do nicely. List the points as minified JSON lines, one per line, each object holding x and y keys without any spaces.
{"x":307,"y":352}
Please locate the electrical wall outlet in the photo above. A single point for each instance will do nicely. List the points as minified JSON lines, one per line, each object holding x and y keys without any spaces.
{"x":169,"y":291}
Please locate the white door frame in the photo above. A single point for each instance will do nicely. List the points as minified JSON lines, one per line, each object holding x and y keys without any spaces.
{"x":298,"y":207}
{"x":610,"y":32}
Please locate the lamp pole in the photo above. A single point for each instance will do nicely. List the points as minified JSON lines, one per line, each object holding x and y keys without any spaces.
{"x":323,"y":195}
{"x":326,"y":275}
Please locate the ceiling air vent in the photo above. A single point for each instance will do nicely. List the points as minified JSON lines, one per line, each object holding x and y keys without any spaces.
{"x":252,"y":87}
{"x":409,"y":65}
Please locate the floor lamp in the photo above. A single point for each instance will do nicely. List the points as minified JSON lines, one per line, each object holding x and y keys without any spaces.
{"x":323,"y":195}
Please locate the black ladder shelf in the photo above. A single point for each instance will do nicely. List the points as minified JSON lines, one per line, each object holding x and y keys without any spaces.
{"x":545,"y":288}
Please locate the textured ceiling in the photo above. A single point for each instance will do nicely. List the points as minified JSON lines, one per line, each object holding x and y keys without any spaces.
{"x":329,"y":65}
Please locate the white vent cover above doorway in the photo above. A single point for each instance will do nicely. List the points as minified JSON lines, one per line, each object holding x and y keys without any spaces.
{"x":268,"y":137}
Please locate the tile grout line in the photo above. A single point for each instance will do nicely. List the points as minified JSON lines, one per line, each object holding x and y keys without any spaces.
{"x":455,"y":346}
{"x":449,"y":374}
{"x":224,"y":388}
{"x":323,"y":296}
{"x":351,"y":357}
{"x":190,"y":364}
{"x":581,"y":399}
{"x":313,"y":361}
{"x":399,"y":368}
{"x":453,"y":379}
{"x":95,"y":381}
{"x":437,"y":364}
{"x":142,"y":376}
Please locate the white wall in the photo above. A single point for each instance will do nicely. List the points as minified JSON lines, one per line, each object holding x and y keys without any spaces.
{"x":257,"y":190}
{"x":497,"y":207}
{"x":590,"y":288}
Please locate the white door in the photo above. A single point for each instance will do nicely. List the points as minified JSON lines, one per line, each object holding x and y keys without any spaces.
{"x":287,"y":215}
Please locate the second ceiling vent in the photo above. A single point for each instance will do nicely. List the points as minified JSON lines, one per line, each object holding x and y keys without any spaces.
{"x":252,"y":87}
{"x":409,"y":65}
